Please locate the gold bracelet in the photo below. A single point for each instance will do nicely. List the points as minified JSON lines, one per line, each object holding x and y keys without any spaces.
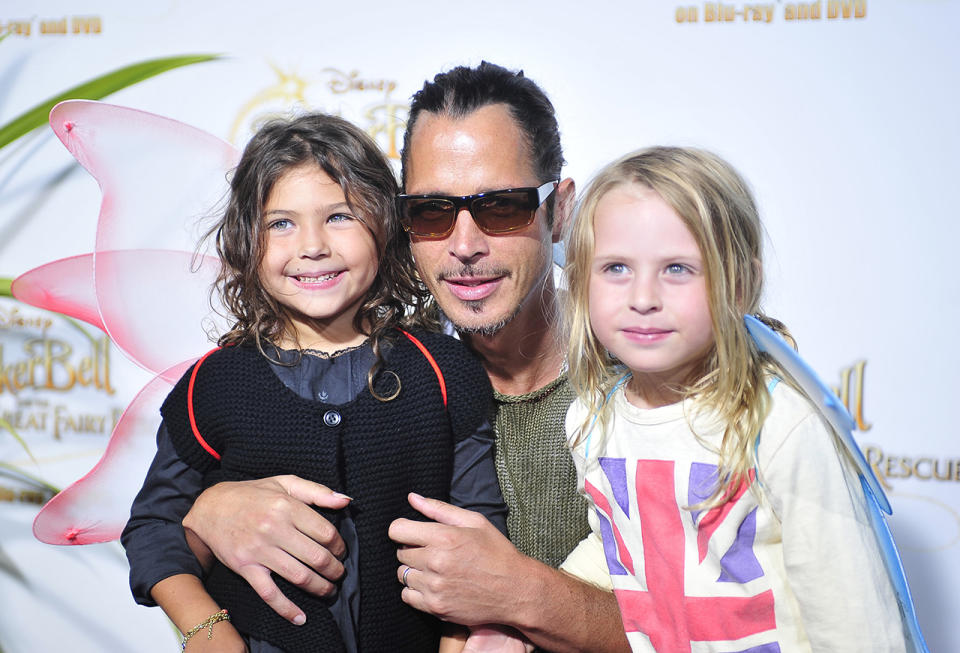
{"x":207,"y":623}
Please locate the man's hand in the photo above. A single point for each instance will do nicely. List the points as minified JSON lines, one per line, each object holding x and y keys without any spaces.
{"x":462,"y":569}
{"x":255,"y":527}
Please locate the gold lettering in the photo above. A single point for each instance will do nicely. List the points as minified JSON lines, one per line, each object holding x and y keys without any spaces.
{"x":846,"y":9}
{"x":916,"y":468}
{"x":803,"y":11}
{"x":341,"y":82}
{"x":858,"y":373}
{"x":936,"y":470}
{"x":86,"y":24}
{"x":103,"y":350}
{"x":31,"y":496}
{"x":859,"y":368}
{"x":84,"y":369}
{"x":5,"y":376}
{"x":389,"y":126}
{"x":843,"y":391}
{"x":19,"y":27}
{"x":55,"y":356}
{"x":905,"y":466}
{"x":21,"y":375}
{"x":56,"y":26}
{"x":686,"y":15}
{"x":874,"y":458}
{"x":52,"y":358}
{"x":888,"y":468}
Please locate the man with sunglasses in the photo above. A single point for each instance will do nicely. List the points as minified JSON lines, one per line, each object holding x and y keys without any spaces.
{"x":483,"y":204}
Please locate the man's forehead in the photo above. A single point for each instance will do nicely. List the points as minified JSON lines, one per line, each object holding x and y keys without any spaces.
{"x":483,"y":150}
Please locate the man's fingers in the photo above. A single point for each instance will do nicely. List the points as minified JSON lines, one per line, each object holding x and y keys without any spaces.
{"x":444,"y":513}
{"x":405,"y":574}
{"x":320,"y":532}
{"x":260,"y":580}
{"x":313,"y":557}
{"x":311,"y":492}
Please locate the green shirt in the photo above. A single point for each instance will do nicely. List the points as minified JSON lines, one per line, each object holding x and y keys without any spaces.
{"x":547,"y":518}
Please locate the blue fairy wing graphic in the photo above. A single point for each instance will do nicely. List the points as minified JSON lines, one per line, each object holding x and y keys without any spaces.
{"x":843,"y":425}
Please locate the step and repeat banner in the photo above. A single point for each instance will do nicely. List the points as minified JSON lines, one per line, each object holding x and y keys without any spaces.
{"x":840,"y":113}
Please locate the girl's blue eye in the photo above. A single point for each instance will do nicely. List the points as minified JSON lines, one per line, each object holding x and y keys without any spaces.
{"x":677,"y":268}
{"x":282,"y":223}
{"x":340,"y":217}
{"x":615,"y":268}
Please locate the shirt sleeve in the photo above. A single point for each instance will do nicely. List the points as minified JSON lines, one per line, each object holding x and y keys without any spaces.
{"x":153,"y":538}
{"x":587,"y":561}
{"x":832,"y":561}
{"x":475,"y":485}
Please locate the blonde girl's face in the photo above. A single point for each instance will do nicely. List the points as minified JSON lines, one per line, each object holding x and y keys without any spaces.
{"x":648,"y":294}
{"x":319,"y":258}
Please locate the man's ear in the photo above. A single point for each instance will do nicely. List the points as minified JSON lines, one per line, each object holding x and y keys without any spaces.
{"x":563,"y":207}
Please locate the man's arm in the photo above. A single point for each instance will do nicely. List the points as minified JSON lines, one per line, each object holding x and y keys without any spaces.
{"x":255,"y":527}
{"x":463,"y":570}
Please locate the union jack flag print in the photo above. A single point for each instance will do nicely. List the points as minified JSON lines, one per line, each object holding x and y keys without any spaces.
{"x":702,"y":587}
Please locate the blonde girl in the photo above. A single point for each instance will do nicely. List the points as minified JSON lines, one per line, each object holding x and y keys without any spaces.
{"x":726,"y":518}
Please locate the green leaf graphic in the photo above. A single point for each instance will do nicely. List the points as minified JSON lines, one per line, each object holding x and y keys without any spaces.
{"x":96,"y":89}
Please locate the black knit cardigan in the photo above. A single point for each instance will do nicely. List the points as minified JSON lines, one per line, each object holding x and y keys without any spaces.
{"x":375,"y":452}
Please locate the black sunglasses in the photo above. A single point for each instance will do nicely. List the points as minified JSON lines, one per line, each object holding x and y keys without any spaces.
{"x":494,"y":212}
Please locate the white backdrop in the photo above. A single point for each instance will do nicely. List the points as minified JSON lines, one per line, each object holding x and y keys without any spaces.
{"x":846,"y":128}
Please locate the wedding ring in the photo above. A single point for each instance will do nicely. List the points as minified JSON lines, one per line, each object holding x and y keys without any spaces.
{"x":403,"y":578}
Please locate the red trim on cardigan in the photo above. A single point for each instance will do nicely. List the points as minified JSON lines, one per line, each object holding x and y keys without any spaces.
{"x":193,"y":421}
{"x":433,"y":364}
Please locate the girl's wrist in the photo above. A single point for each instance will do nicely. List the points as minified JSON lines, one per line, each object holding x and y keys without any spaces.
{"x":207,"y":624}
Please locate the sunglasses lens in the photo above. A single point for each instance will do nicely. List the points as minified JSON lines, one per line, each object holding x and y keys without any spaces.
{"x":428,"y":216}
{"x":504,"y":211}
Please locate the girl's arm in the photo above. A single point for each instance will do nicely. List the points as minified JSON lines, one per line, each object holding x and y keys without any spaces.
{"x":453,"y":639}
{"x":188,"y":606}
{"x":154,"y":539}
{"x":831,"y":560}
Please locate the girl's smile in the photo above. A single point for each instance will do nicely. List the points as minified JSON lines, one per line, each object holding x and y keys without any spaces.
{"x":648,"y":294}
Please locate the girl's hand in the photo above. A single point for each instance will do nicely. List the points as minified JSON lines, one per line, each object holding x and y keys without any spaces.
{"x":225,"y":639}
{"x":496,"y":639}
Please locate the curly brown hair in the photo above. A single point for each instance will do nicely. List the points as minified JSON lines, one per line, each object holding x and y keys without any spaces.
{"x":353,"y":160}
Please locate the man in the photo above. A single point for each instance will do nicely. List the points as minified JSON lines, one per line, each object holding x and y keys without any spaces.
{"x":488,"y":262}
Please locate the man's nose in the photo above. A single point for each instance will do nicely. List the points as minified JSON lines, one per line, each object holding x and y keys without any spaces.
{"x":467,"y":242}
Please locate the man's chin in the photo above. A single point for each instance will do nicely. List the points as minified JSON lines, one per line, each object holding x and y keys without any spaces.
{"x":472,"y":322}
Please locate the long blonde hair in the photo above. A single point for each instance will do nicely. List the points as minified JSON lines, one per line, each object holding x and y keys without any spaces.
{"x":717,"y":207}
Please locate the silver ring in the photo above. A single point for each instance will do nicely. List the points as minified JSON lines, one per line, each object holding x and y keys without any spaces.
{"x":403,"y":579}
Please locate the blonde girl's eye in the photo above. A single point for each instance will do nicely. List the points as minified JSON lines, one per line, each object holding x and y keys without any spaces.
{"x":615,"y":268}
{"x":678,"y":268}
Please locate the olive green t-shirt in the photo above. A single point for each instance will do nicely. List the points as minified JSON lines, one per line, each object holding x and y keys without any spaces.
{"x":547,"y":518}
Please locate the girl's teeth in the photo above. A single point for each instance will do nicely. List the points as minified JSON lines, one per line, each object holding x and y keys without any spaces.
{"x":325,"y":277}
